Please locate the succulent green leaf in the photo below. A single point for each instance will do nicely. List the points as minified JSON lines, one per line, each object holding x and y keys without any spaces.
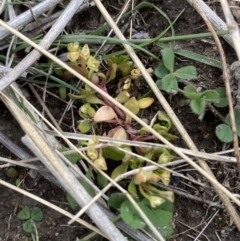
{"x":36,"y":214}
{"x":113,"y":153}
{"x":101,"y":180}
{"x":84,"y":127}
{"x":116,"y":200}
{"x":168,"y":58}
{"x":191,"y":92}
{"x":28,"y":226}
{"x":121,"y":169}
{"x":93,"y":99}
{"x":132,"y":188}
{"x":112,"y":69}
{"x":222,"y":101}
{"x":210,"y":95}
{"x":132,"y":105}
{"x":74,"y":205}
{"x":87,"y":187}
{"x":63,"y":92}
{"x":224,"y":133}
{"x":12,"y":172}
{"x":73,"y":158}
{"x":163,"y":117}
{"x":25,"y":213}
{"x":161,"y":71}
{"x":125,"y":68}
{"x":187,"y":73}
{"x":130,"y":215}
{"x":169,"y":83}
{"x":198,"y":105}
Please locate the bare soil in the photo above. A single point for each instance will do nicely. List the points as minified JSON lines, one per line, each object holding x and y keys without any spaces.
{"x":190,"y":217}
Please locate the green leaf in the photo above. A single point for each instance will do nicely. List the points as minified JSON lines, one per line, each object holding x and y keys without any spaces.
{"x":113,"y":153}
{"x":101,"y":180}
{"x":198,"y":106}
{"x":132,"y":188}
{"x":130,"y":216}
{"x":191,"y":92}
{"x":28,"y":226}
{"x":168,"y":58}
{"x":36,"y":214}
{"x":74,"y":205}
{"x":159,"y":84}
{"x":210,"y":95}
{"x":63,"y":92}
{"x":224,"y":133}
{"x":12,"y":172}
{"x":88,"y":187}
{"x":116,"y":200}
{"x":169,"y":83}
{"x":120,"y":170}
{"x":187,"y":73}
{"x":237,"y":119}
{"x":161,"y":217}
{"x":25,"y":213}
{"x":84,"y":127}
{"x":222,"y":101}
{"x":161,"y":71}
{"x":73,"y":158}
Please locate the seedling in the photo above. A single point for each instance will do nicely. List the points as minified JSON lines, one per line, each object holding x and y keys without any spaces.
{"x":96,"y":110}
{"x":224,"y":131}
{"x":30,"y":217}
{"x":167,"y":77}
{"x":200,"y":99}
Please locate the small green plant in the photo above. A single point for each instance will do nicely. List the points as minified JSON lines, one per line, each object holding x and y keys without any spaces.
{"x":224,"y":131}
{"x":30,"y":217}
{"x":198,"y":100}
{"x":96,"y":110}
{"x":168,"y":77}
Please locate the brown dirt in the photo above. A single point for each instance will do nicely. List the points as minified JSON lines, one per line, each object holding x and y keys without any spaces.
{"x":190,"y":217}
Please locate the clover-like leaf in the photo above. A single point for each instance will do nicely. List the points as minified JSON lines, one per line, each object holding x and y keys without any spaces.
{"x":186,"y":73}
{"x":224,"y":133}
{"x":161,"y":71}
{"x":169,"y":83}
{"x":28,"y":226}
{"x":191,"y":92}
{"x":25,"y":213}
{"x":36,"y":214}
{"x":222,"y":101}
{"x":210,"y":95}
{"x":198,"y":105}
{"x":168,"y":58}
